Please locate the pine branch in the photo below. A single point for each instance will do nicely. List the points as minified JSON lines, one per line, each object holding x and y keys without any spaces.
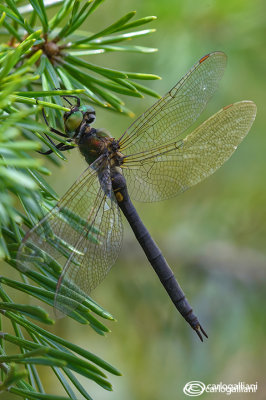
{"x":42,"y":55}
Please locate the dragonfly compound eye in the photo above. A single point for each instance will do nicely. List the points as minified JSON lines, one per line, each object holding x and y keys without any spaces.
{"x":73,"y":121}
{"x":85,"y":109}
{"x":88,"y":113}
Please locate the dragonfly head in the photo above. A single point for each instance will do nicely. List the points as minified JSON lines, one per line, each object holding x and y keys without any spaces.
{"x":78,"y":114}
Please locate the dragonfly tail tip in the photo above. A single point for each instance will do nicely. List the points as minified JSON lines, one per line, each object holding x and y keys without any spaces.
{"x":199,"y":330}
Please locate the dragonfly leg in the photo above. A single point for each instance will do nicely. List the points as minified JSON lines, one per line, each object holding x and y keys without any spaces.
{"x":52,"y":129}
{"x":75,"y":97}
{"x":45,"y":153}
{"x":66,"y":147}
{"x":60,"y":146}
{"x":69,"y":95}
{"x":49,"y":151}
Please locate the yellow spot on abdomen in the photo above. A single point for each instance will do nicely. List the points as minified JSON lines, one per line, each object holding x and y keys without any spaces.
{"x":119,"y":197}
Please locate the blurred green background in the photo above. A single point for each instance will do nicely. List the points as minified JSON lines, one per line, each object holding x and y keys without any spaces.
{"x":213,"y":236}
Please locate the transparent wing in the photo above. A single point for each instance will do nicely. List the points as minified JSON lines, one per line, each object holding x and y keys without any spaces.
{"x":82,"y":234}
{"x":178,"y":109}
{"x":171,"y":169}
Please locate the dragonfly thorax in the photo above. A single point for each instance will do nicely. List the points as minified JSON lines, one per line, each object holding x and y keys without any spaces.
{"x":93,"y":143}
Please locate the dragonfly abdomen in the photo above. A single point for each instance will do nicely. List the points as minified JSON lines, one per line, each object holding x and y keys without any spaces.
{"x":154,"y":255}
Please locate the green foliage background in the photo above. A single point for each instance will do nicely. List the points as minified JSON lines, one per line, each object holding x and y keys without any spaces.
{"x":213,"y":236}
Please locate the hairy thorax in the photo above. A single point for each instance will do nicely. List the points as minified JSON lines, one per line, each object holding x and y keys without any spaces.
{"x":93,"y":143}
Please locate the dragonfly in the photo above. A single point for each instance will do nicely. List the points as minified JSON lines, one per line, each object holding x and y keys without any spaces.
{"x":153,"y":160}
